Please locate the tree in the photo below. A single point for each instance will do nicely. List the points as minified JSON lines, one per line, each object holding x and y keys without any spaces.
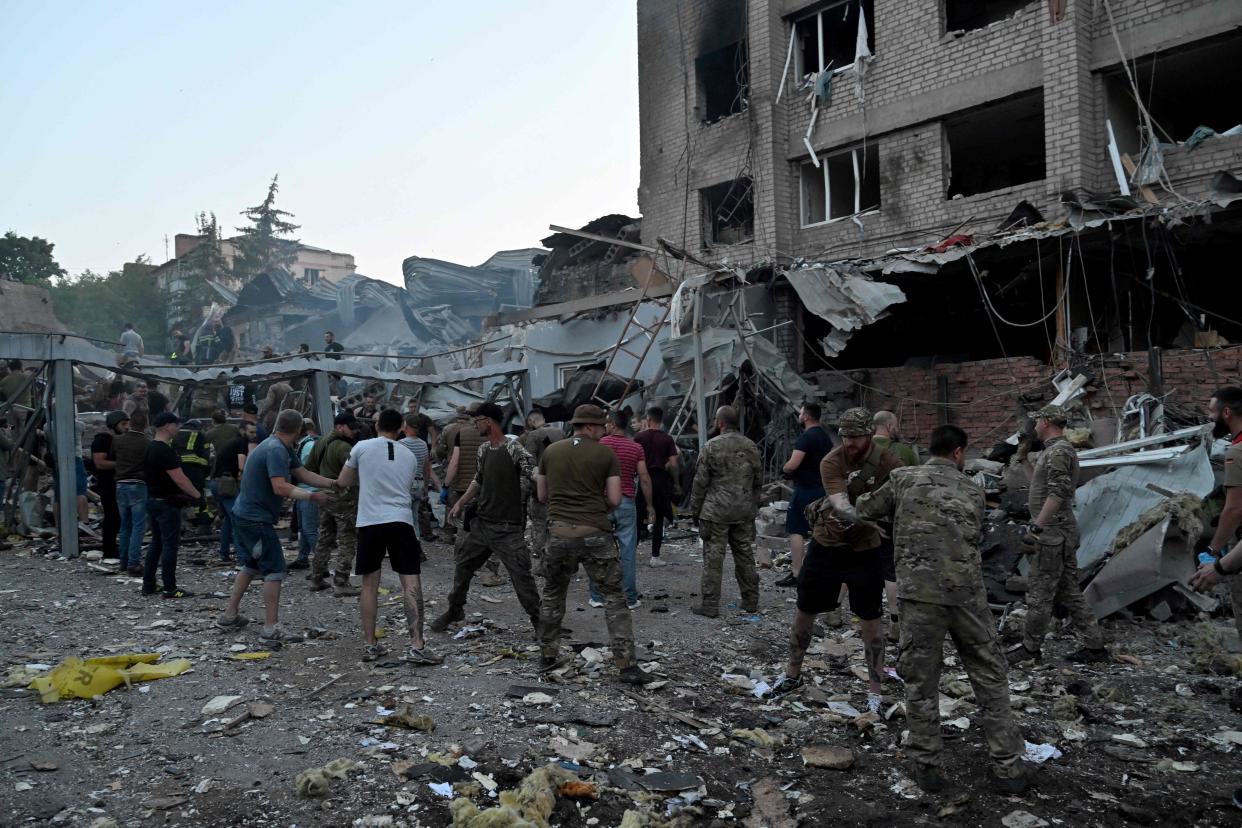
{"x":205,"y":262}
{"x":261,"y":248}
{"x":28,"y":260}
{"x":97,"y":306}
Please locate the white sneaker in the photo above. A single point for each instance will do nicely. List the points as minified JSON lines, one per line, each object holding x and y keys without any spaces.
{"x":658,"y":562}
{"x":594,"y":603}
{"x":637,"y":603}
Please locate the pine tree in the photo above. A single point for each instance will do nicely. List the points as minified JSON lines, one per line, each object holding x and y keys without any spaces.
{"x":261,"y":248}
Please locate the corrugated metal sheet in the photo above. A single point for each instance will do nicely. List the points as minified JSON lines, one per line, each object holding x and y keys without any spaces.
{"x":843,"y":296}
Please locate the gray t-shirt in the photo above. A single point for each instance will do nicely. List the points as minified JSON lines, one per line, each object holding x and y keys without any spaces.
{"x":257,"y":500}
{"x":131,"y":343}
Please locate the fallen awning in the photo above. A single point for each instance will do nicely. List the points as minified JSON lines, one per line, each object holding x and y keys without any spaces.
{"x":844,"y":297}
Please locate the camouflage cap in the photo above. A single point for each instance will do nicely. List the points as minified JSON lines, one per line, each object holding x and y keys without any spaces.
{"x":855,"y":422}
{"x":1053,"y":414}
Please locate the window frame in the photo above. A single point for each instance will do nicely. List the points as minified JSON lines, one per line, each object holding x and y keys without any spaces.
{"x":801,"y":71}
{"x":859,"y":167}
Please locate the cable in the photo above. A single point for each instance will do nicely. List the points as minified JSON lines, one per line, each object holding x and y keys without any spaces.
{"x":988,"y":300}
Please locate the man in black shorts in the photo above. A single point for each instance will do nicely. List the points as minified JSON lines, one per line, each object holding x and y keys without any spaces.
{"x":384,"y":470}
{"x":843,"y":552}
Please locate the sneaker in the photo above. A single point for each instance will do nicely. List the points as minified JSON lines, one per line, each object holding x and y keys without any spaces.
{"x":1089,"y":655}
{"x":318,"y":584}
{"x":345,"y":590}
{"x":698,"y":609}
{"x":784,"y":684}
{"x":147,"y":593}
{"x":874,"y":702}
{"x":423,"y":656}
{"x":595,"y":603}
{"x":449,"y":616}
{"x":833,"y":618}
{"x":549,"y":663}
{"x":300,"y":563}
{"x":232,"y":622}
{"x":1019,"y":654}
{"x":134,"y":571}
{"x":790,"y":580}
{"x":657,"y":562}
{"x":928,"y":777}
{"x":221,"y":562}
{"x":632,"y":675}
{"x":374,"y":652}
{"x":274,"y":635}
{"x":493,"y":579}
{"x":177,"y":593}
{"x":638,"y":602}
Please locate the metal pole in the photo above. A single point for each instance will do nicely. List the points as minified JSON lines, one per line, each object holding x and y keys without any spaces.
{"x":66,"y":467}
{"x":323,"y":401}
{"x":700,"y":397}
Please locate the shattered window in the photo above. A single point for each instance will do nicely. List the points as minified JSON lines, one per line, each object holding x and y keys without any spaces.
{"x":996,"y":146}
{"x":723,"y":79}
{"x":728,"y":213}
{"x":961,"y":15}
{"x":845,"y":184}
{"x":834,"y":36}
{"x":311,"y":274}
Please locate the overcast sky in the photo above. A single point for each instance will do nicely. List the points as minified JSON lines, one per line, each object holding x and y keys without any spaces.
{"x":441,"y":129}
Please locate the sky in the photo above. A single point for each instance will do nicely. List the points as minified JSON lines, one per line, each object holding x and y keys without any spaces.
{"x":440,"y":129}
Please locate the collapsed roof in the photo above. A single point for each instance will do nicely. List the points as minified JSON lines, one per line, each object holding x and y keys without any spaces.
{"x":506,"y":279}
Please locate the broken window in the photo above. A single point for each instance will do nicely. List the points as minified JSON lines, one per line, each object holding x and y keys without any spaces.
{"x":834,"y":36}
{"x":997,"y":145}
{"x":960,"y":15}
{"x":728,"y":213}
{"x":312,"y":274}
{"x":844,"y":184}
{"x":723,"y":77}
{"x":1174,"y":92}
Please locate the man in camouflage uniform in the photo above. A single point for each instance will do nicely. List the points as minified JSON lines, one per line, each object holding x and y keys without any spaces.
{"x":1225,"y":412}
{"x":503,"y":475}
{"x":725,"y":499}
{"x":538,"y":437}
{"x":885,"y":423}
{"x":938,"y":513}
{"x":1052,"y":545}
{"x":339,"y":516}
{"x":580,"y":480}
{"x":443,"y":453}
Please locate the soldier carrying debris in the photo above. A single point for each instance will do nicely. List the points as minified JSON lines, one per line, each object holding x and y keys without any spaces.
{"x":1052,"y":544}
{"x":725,"y":499}
{"x":580,"y":480}
{"x":938,"y":521}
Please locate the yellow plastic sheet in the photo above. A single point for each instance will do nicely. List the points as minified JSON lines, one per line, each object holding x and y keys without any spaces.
{"x":257,"y":655}
{"x":74,"y":678}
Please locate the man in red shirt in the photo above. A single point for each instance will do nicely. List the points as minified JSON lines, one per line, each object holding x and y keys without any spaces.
{"x":661,"y":455}
{"x":625,"y":517}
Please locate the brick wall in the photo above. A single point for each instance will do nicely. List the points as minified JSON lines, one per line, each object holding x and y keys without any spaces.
{"x":988,"y":398}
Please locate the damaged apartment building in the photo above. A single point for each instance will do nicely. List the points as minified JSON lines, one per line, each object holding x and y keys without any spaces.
{"x":937,"y":205}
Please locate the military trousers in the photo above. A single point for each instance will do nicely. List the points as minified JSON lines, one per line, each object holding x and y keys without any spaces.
{"x":919,"y":662}
{"x":538,"y":514}
{"x":598,"y":555}
{"x":718,"y":539}
{"x":338,"y":538}
{"x":1052,"y":578}
{"x":507,"y":542}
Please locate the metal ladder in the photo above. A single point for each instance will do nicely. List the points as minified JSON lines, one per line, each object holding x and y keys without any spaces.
{"x":650,"y":332}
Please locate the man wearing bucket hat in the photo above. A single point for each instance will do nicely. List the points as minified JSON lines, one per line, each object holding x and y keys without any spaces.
{"x":503,"y":477}
{"x":844,"y":551}
{"x":1052,"y":545}
{"x":580,"y":480}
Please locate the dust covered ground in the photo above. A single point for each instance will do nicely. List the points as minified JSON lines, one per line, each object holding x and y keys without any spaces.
{"x":1150,"y":738}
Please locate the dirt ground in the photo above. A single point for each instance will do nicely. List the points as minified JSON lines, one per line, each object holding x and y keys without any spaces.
{"x":1146,"y":739}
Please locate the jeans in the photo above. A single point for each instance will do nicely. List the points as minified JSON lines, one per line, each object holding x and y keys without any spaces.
{"x":226,"y":522}
{"x":162,"y":551}
{"x":308,"y":528}
{"x":131,"y":501}
{"x":625,"y":527}
{"x":112,"y":517}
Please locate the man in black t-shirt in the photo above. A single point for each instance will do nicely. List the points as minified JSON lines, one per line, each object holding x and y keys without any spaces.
{"x":803,"y":468}
{"x":104,"y":460}
{"x":225,"y":483}
{"x":168,"y":489}
{"x":331,"y":347}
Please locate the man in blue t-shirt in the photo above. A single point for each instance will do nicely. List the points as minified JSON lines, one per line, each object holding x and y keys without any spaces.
{"x":271,"y":469}
{"x":803,"y":468}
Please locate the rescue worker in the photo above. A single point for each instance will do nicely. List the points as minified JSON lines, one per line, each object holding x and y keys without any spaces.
{"x":1225,"y":412}
{"x":1052,"y":543}
{"x":463,"y":463}
{"x":194,"y":450}
{"x":725,"y":500}
{"x":885,"y":423}
{"x":502,"y":484}
{"x":580,"y":480}
{"x":938,"y":512}
{"x":539,"y":435}
{"x":338,"y":516}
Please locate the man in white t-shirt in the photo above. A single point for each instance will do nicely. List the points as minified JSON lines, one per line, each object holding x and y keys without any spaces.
{"x":384,"y":470}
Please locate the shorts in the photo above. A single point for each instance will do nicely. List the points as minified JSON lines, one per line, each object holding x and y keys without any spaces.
{"x":795,"y":518}
{"x":825,"y":569}
{"x":405,"y":553}
{"x":887,"y":562}
{"x":269,"y":562}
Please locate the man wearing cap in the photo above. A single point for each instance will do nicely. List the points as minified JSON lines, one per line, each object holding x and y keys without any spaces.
{"x":1052,"y":545}
{"x":502,"y":482}
{"x":844,"y":552}
{"x":725,"y":500}
{"x":338,"y":516}
{"x":104,"y":460}
{"x":168,"y":491}
{"x":580,"y":480}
